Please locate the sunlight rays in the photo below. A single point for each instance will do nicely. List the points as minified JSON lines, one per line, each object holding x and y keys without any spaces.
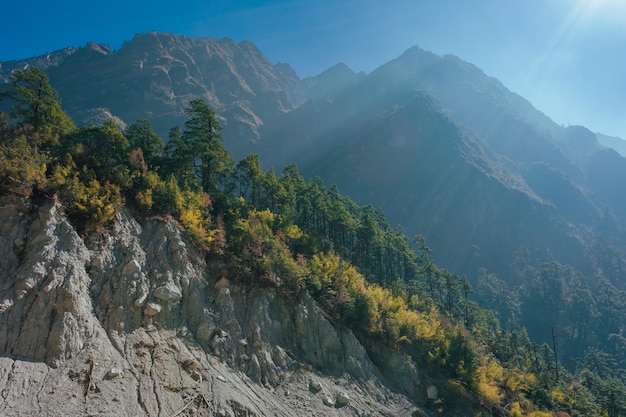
{"x":560,"y":54}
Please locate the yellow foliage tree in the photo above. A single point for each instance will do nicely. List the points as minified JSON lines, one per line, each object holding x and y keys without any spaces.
{"x":21,"y":167}
{"x":95,"y":203}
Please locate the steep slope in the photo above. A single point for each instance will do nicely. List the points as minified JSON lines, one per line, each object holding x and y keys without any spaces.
{"x":331,"y":83}
{"x":52,"y":59}
{"x":607,"y":179}
{"x":615,"y":143}
{"x":403,"y":154}
{"x":509,"y":123}
{"x":135,"y":322}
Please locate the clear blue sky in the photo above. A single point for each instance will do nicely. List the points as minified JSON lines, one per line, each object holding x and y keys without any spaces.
{"x":568,"y":57}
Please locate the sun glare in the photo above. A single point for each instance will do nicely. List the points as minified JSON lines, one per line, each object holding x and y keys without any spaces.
{"x":604,"y":8}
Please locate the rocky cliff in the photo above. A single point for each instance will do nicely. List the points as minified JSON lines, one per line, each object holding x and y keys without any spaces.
{"x":134,"y":321}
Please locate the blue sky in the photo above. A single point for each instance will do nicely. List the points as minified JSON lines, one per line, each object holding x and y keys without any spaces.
{"x":568,"y":57}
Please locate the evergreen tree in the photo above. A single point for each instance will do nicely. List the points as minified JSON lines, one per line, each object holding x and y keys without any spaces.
{"x":140,"y":135}
{"x":35,"y":105}
{"x":211,"y":161}
{"x":249,"y":177}
{"x":100,"y":151}
{"x":179,"y":160}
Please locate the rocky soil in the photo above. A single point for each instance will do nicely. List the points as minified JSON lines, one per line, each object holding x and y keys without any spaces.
{"x":133,"y":322}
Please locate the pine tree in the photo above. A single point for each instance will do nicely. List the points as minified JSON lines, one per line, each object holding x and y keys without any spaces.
{"x":36,"y":106}
{"x":212,"y":162}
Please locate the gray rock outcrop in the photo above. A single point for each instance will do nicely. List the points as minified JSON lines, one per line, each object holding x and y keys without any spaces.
{"x":134,"y":322}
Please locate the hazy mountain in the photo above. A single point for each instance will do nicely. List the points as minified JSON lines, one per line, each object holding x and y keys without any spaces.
{"x":444,"y":149}
{"x":405,"y":155}
{"x":607,"y":179}
{"x":331,"y":82}
{"x":616,"y":143}
{"x":513,"y":179}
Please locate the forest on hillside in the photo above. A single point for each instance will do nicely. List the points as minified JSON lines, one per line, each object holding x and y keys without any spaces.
{"x":280,"y":230}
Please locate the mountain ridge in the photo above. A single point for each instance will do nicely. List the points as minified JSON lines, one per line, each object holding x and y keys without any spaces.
{"x":530,"y":218}
{"x":264,"y":109}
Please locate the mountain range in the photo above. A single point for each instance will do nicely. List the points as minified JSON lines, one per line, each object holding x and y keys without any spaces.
{"x":249,"y":314}
{"x":442,"y":148}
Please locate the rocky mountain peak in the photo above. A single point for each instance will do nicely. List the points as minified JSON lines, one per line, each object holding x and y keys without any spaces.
{"x":45,"y":61}
{"x":99,"y":48}
{"x":156,"y":74}
{"x":332,"y":82}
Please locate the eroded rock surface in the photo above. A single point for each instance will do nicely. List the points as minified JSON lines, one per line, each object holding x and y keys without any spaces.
{"x":133,"y":323}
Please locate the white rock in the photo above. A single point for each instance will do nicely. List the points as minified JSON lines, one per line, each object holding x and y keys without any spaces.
{"x":316,"y":385}
{"x":432,"y":393}
{"x":141,"y":300}
{"x":329,"y":402}
{"x":177,"y":245}
{"x":97,"y":262}
{"x":23,"y":288}
{"x":152,"y":309}
{"x":168,"y":293}
{"x":343,"y":399}
{"x":115,"y":372}
{"x":131,"y":268}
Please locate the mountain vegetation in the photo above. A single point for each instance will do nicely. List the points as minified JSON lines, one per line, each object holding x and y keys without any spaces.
{"x":283,"y":231}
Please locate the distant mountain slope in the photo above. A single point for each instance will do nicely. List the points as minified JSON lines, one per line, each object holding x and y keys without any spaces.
{"x":509,"y":123}
{"x":550,"y":190}
{"x":45,"y":61}
{"x":406,"y":156}
{"x":331,"y":82}
{"x":616,"y":143}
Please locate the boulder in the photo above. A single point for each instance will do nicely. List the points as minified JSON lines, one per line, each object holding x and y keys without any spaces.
{"x":316,"y":386}
{"x":343,"y":399}
{"x":432,"y":393}
{"x":168,"y":293}
{"x":152,"y":309}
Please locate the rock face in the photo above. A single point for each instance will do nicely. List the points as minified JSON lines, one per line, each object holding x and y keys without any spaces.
{"x":133,"y":322}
